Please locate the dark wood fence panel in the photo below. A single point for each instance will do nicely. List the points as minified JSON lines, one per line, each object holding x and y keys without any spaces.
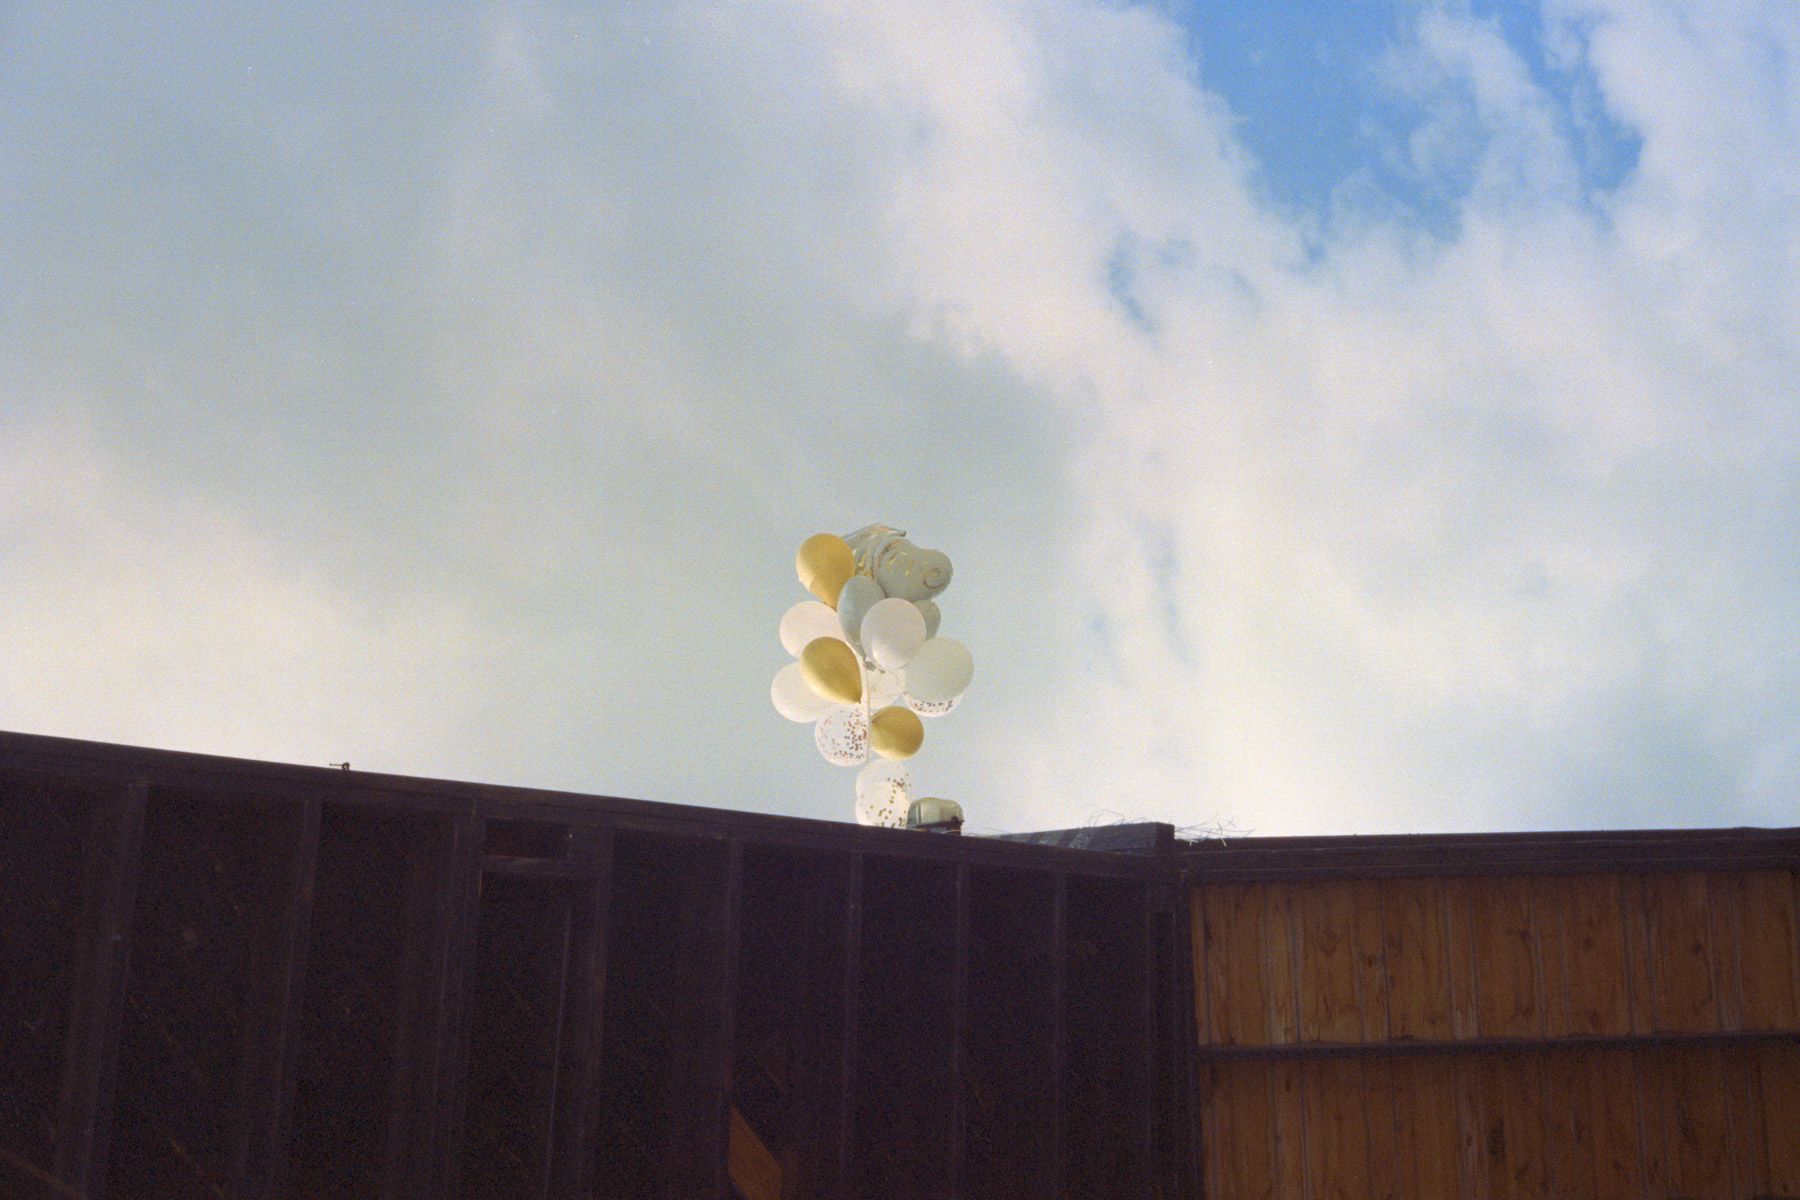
{"x":788,"y":1034}
{"x":662,"y":1118}
{"x":45,"y":938}
{"x":1108,"y":1133}
{"x":348,"y":1026}
{"x":221,"y":978}
{"x":906,"y":1032}
{"x":1012,"y":1146}
{"x":210,"y":936}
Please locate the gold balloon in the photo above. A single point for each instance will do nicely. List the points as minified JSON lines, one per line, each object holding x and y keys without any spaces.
{"x":896,"y":732}
{"x":830,"y":667}
{"x":824,"y":564}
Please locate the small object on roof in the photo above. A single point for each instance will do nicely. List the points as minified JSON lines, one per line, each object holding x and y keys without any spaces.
{"x":935,"y":813}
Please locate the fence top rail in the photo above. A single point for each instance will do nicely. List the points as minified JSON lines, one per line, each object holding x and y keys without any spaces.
{"x":1634,"y":851}
{"x":88,"y":764}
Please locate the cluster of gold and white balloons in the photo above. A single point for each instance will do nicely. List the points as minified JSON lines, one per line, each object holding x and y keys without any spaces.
{"x":868,"y":660}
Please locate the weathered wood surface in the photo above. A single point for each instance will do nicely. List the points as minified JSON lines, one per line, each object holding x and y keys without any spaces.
{"x":313,"y":984}
{"x":1597,"y":1034}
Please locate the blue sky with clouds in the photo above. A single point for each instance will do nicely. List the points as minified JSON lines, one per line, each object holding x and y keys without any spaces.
{"x":1344,"y":417}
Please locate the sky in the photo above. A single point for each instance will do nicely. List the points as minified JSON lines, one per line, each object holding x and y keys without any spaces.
{"x":1349,"y":417}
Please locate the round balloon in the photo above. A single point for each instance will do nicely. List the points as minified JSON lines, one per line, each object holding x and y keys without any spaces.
{"x":940,"y":671}
{"x":929,"y":610}
{"x":932,"y":708}
{"x":859,"y":595}
{"x":794,"y":697}
{"x":823,"y":564}
{"x":885,"y":687}
{"x":805,"y":621}
{"x":830,"y":666}
{"x":883,"y":793}
{"x":896,"y":733}
{"x":893,"y":632}
{"x":842,"y":735}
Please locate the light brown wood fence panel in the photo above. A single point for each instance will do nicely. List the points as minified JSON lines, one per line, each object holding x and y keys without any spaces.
{"x":1607,"y":1034}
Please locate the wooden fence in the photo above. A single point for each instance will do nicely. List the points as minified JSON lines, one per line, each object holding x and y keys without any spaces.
{"x":1584,"y":1015}
{"x":221,"y":978}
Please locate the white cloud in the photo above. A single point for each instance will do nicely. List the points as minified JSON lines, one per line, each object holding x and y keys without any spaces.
{"x":1350,"y":526}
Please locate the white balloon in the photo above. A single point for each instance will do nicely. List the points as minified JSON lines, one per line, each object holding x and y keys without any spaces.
{"x":842,"y":735}
{"x":860,"y":594}
{"x":805,"y":621}
{"x":885,"y":687}
{"x":940,"y":671}
{"x":794,"y":698}
{"x":892,"y":632}
{"x":883,"y":793}
{"x":933,"y":616}
{"x":932,"y":708}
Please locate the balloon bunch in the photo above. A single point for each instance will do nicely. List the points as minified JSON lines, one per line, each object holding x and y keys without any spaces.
{"x":869,"y":661}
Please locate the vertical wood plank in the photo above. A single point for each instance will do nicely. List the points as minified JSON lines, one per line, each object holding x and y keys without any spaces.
{"x":1385,"y":1169}
{"x":1368,"y":902}
{"x":1698,"y":1129}
{"x":846,"y":1109}
{"x":97,"y":993}
{"x":1337,"y":1132}
{"x":1245,"y":1126}
{"x":1681,"y":962}
{"x":443,"y":895}
{"x":1236,"y":953}
{"x":1743,"y":1116}
{"x":1461,"y":897}
{"x":1597,"y":975}
{"x":1506,"y":999}
{"x":1565,"y":1173}
{"x":1216,"y":1121}
{"x":1327,"y":955}
{"x":1199,"y":959}
{"x":1513,"y":1103}
{"x":1287,"y":1124}
{"x":1280,"y":965}
{"x":266,"y":1080}
{"x":1650,"y":1079}
{"x":1608,"y":1141}
{"x":1780,"y":1080}
{"x":1059,"y":1040}
{"x":1417,"y":959}
{"x":1550,"y":901}
{"x":571,"y":1170}
{"x":1768,"y":958}
{"x":712,"y":1129}
{"x":1640,"y":976}
{"x":1471,"y":1126}
{"x":959,"y":1038}
{"x":1429,"y":1142}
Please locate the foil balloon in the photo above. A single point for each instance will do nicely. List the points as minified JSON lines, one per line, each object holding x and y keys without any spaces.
{"x":910,"y":572}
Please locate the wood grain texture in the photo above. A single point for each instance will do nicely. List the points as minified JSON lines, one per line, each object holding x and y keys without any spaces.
{"x":1327,"y":958}
{"x":1280,"y":966}
{"x":1767,"y":942}
{"x":1596,"y":973}
{"x":1417,"y":958}
{"x":1686,"y":999}
{"x":1502,"y":937}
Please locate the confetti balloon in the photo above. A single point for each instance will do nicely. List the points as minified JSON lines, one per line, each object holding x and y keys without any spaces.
{"x":883,"y":793}
{"x":842,"y":736}
{"x":932,"y":708}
